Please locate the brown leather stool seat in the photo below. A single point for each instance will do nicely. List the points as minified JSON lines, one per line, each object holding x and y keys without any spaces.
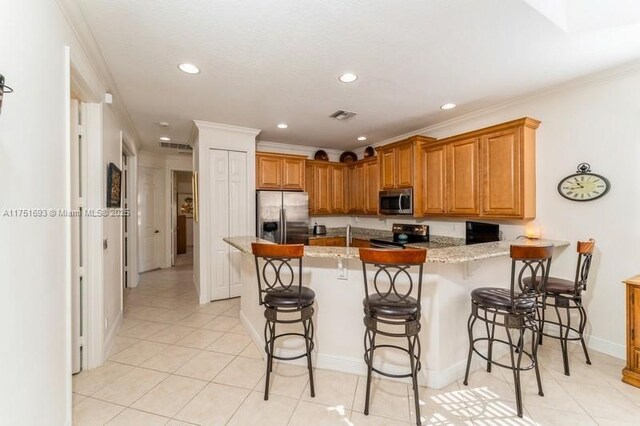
{"x":500,"y":298}
{"x":392,"y":307}
{"x":560,"y":286}
{"x":290,"y":297}
{"x":556,"y":285}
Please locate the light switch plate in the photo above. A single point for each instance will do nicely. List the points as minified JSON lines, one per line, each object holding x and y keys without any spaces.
{"x":343,"y":269}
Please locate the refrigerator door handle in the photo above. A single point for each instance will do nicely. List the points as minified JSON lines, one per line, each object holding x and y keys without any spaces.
{"x":284,"y":226}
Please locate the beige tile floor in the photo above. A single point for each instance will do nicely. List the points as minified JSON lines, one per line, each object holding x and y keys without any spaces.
{"x":176,"y":362}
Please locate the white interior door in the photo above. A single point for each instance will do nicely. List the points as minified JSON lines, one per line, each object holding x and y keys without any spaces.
{"x":238,"y":217}
{"x":174,"y":217}
{"x":76,"y":240}
{"x":219,"y":208}
{"x":149,"y":224}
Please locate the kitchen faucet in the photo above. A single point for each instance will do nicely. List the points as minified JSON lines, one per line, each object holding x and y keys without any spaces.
{"x":348,"y":235}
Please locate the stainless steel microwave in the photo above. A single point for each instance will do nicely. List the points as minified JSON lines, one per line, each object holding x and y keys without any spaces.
{"x":396,"y":201}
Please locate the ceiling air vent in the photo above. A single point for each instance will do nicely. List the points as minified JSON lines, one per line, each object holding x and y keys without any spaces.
{"x":178,"y":146}
{"x":343,"y":115}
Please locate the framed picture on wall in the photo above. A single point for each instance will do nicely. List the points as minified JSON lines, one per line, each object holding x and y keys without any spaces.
{"x":114,"y":186}
{"x":185,"y":204}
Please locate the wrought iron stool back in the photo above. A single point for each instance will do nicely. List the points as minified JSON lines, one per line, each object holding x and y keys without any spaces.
{"x":585,"y":251}
{"x":277,"y":263}
{"x":532,"y":265}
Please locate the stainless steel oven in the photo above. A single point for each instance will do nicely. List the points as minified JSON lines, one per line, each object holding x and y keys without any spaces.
{"x":396,"y":201}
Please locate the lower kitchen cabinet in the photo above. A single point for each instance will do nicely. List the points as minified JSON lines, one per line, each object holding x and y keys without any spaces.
{"x":359,"y":242}
{"x":328,"y":241}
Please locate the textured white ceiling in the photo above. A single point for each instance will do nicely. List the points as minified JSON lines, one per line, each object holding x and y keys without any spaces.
{"x":270,"y":61}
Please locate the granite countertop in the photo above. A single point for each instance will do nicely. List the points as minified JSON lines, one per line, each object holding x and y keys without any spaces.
{"x":439,"y":251}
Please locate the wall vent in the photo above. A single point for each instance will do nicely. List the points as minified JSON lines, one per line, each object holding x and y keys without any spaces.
{"x":178,"y":146}
{"x":343,"y":115}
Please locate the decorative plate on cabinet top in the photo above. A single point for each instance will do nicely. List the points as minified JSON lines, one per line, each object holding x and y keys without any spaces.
{"x":369,"y":152}
{"x":321,"y":155}
{"x":348,"y":157}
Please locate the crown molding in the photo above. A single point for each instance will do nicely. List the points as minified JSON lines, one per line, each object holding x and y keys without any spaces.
{"x":286,"y":148}
{"x":71,"y":11}
{"x":227,"y":127}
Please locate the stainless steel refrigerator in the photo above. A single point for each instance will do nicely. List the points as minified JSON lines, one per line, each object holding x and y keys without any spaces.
{"x":283,"y":217}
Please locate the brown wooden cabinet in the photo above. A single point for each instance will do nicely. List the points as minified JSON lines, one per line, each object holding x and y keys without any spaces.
{"x":363,"y":187}
{"x":371,"y":187}
{"x":434,"y":180}
{"x":359,"y":242}
{"x":397,"y":162}
{"x":462,"y":177}
{"x":338,"y":192}
{"x":631,"y":373}
{"x":486,"y":173}
{"x":325,"y":183}
{"x":280,"y":171}
{"x":328,"y":241}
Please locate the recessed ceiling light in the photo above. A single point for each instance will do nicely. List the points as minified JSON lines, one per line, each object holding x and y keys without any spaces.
{"x":165,"y":138}
{"x":448,"y":106}
{"x":348,"y":77}
{"x":362,"y":138}
{"x":282,"y":126}
{"x":189,"y":68}
{"x":163,"y":124}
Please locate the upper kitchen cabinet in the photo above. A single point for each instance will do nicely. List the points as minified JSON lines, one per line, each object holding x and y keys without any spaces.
{"x":326,"y":185}
{"x":280,"y":171}
{"x":363,"y":178}
{"x":485,"y":173}
{"x":508,"y":170}
{"x":397,"y":162}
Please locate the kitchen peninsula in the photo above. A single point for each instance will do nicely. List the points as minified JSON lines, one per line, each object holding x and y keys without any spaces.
{"x":451,"y":272}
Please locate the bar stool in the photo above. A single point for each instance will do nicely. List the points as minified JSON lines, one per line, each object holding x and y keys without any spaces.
{"x":513,"y":308}
{"x":567,"y":294}
{"x":279,"y":295}
{"x":392,"y":304}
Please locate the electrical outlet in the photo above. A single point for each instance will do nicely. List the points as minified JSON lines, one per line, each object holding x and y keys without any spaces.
{"x":106,"y":323}
{"x":343,"y":269}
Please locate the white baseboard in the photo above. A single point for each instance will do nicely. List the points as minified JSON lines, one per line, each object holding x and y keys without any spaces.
{"x":108,"y":342}
{"x":596,"y":343}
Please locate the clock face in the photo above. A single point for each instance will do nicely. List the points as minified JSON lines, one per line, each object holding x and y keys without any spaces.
{"x":583,"y":187}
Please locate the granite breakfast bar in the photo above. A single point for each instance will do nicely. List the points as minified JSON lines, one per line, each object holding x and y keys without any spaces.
{"x":451,"y":272}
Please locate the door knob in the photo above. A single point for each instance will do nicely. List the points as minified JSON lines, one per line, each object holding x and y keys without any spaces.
{"x":157,"y":232}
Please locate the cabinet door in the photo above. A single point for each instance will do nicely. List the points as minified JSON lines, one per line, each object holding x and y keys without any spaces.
{"x":337,"y":194}
{"x":371,"y":180}
{"x":387,"y":159}
{"x":317,"y":241}
{"x":293,"y":173}
{"x":322,"y":188}
{"x":309,"y":186}
{"x":634,"y":320}
{"x":269,"y":174}
{"x":501,"y":173}
{"x":404,"y":166}
{"x":356,"y":189}
{"x":462,"y":170}
{"x":434,"y":178}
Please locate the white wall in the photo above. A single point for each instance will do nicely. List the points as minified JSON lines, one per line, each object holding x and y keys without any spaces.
{"x":35,"y":309}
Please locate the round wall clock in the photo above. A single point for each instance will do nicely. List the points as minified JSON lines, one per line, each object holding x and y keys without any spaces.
{"x":583,"y":185}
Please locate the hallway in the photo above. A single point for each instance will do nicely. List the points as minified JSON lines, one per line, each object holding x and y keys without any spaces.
{"x":176,"y":362}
